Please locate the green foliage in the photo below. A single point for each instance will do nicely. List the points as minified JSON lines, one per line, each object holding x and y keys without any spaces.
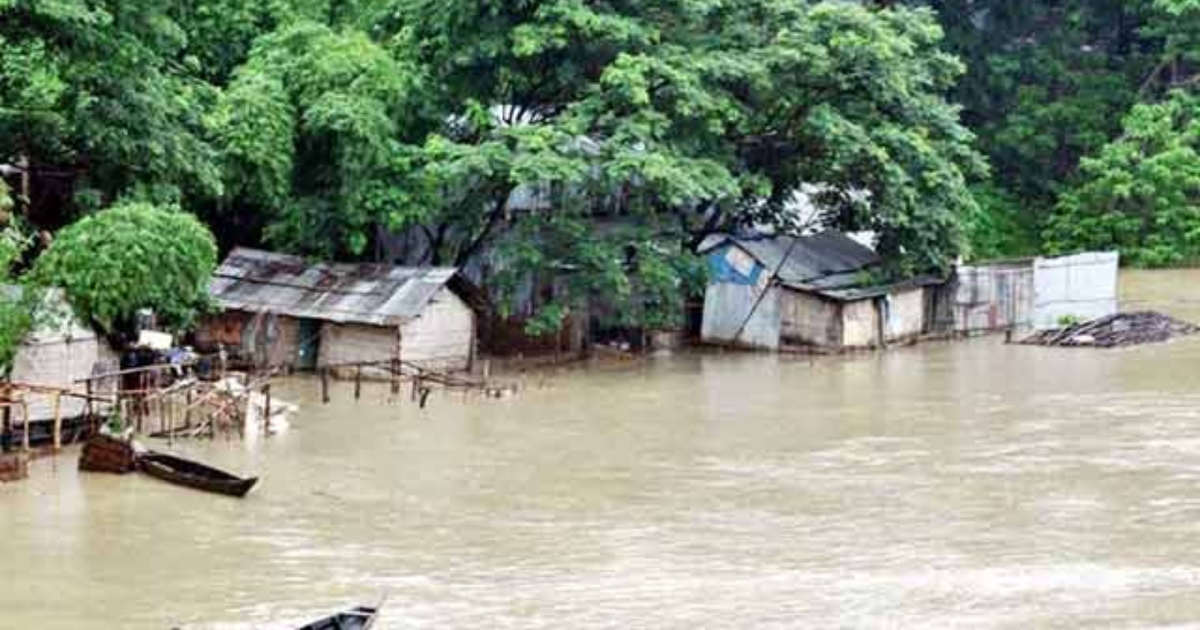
{"x":310,"y":133}
{"x":999,"y":227}
{"x":15,"y":310}
{"x":1141,"y":194}
{"x":640,"y":127}
{"x":99,"y":89}
{"x":129,"y":257}
{"x":1067,"y":321}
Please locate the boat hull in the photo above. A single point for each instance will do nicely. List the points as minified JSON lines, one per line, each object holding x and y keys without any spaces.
{"x":194,"y":475}
{"x":357,"y":618}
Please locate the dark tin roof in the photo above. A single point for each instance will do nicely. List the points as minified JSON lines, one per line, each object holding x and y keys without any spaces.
{"x":380,"y":295}
{"x":829,"y":263}
{"x":824,"y":260}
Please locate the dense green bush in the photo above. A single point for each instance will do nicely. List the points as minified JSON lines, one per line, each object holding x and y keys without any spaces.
{"x":1141,"y":194}
{"x":15,"y":316}
{"x":132,"y":256}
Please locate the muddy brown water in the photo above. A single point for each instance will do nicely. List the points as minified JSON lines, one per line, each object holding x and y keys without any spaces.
{"x":951,"y":485}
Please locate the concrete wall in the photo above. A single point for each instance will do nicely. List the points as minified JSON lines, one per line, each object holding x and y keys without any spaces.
{"x":443,"y":336}
{"x":808,"y":320}
{"x":905,"y":315}
{"x":1082,"y":286}
{"x":860,"y":324}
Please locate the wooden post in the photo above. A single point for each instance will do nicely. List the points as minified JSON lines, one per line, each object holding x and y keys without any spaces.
{"x":90,"y":412}
{"x":358,"y":382}
{"x":5,"y":424}
{"x":267,"y":408}
{"x":57,"y":422}
{"x":187,"y":411}
{"x":325,"y":385}
{"x":170,"y":417}
{"x":395,"y":376}
{"x":25,"y":419}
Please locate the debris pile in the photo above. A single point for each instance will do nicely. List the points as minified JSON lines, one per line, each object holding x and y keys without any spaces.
{"x":109,"y":454}
{"x":1115,"y":331}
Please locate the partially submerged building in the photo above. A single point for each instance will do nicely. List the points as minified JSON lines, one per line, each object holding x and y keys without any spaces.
{"x":60,"y":351}
{"x":1028,"y":294}
{"x":811,"y":292}
{"x":280,"y":310}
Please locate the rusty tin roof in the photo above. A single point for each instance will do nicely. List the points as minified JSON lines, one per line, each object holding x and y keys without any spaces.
{"x":360,"y":293}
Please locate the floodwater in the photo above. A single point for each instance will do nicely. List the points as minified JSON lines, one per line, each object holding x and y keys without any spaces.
{"x":951,"y":485}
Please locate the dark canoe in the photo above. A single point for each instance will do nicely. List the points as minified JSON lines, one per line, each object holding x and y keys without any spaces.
{"x":194,"y":475}
{"x":357,"y":618}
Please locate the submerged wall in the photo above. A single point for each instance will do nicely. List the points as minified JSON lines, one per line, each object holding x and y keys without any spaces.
{"x":905,"y":314}
{"x":809,"y":320}
{"x":60,"y":360}
{"x":736,"y":309}
{"x":1081,"y":287}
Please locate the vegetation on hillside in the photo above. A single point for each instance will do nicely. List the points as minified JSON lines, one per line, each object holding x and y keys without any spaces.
{"x":629,"y":130}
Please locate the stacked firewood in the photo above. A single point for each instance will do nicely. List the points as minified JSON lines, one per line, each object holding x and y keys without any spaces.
{"x":1115,"y":331}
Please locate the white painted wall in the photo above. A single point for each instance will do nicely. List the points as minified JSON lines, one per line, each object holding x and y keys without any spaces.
{"x":905,"y":314}
{"x":860,"y":324}
{"x":443,"y":336}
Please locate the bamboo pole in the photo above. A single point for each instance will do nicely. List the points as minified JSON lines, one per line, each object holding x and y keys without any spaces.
{"x":57,"y":422}
{"x":267,"y":409}
{"x":25,"y":419}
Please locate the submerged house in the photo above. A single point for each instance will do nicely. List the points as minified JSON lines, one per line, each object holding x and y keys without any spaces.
{"x":810,"y":292}
{"x":279,"y":310}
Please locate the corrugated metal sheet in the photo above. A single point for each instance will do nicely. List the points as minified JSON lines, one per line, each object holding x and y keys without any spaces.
{"x":1083,"y":286}
{"x":821,"y":261}
{"x":381,"y":295}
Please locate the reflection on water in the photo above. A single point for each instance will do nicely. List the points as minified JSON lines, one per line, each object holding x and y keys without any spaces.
{"x":948,"y":485}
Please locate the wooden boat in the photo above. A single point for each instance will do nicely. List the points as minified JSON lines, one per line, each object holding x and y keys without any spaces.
{"x":357,"y":618}
{"x":194,"y":475}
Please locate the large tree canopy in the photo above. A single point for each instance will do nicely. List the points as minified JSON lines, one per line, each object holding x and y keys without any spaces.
{"x":1141,"y":194}
{"x":596,"y":142}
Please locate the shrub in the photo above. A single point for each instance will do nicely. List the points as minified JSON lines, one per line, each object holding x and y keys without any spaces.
{"x":132,"y":256}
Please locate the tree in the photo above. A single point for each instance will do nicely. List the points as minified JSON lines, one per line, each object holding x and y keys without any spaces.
{"x":1141,"y":193}
{"x":131,"y":256}
{"x":675,"y":119}
{"x":311,"y":133}
{"x":15,"y":313}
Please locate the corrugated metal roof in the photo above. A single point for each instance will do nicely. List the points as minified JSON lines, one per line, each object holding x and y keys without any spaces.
{"x":381,"y":295}
{"x":854,"y":293}
{"x":829,"y":258}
